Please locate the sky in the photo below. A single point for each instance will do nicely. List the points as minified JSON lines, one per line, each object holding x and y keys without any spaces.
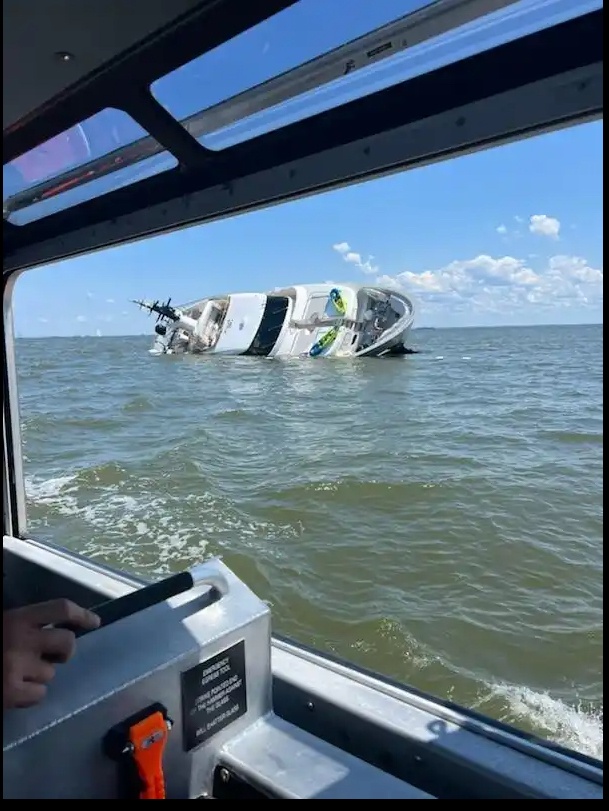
{"x":510,"y":235}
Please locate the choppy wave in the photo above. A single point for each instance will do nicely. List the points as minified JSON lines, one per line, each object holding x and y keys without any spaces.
{"x":577,"y":727}
{"x":437,"y":522}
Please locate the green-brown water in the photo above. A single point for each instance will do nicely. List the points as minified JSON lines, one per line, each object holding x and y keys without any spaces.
{"x":437,"y":518}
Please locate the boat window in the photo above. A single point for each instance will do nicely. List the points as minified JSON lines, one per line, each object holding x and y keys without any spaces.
{"x":266,"y":79}
{"x":249,"y":86}
{"x":300,"y":33}
{"x":270,"y":327}
{"x":363,"y":499}
{"x":103,"y":153}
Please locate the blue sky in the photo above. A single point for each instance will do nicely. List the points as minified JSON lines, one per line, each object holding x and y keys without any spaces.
{"x":507,"y":236}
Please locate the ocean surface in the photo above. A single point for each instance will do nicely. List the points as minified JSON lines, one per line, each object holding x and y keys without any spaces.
{"x":437,"y":518}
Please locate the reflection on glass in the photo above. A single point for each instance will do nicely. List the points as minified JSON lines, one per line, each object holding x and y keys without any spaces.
{"x":89,"y":189}
{"x":100,"y":135}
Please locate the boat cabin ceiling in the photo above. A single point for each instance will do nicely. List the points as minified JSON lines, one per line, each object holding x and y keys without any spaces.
{"x":43,"y":60}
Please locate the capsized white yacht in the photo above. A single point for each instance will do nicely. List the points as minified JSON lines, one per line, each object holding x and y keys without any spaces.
{"x":308,"y":320}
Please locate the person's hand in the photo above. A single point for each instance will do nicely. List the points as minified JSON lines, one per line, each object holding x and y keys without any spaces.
{"x":30,"y":648}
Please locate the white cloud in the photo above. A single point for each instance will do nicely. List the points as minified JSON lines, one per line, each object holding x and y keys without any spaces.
{"x":109,"y":301}
{"x":354,"y":258}
{"x":538,"y":224}
{"x":465,"y":278}
{"x":575,"y":268}
{"x":505,"y":286}
{"x":81,"y":318}
{"x":43,"y":320}
{"x":341,"y":247}
{"x":542,"y":225}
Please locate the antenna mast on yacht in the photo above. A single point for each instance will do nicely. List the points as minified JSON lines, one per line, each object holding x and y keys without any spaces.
{"x":162,"y":310}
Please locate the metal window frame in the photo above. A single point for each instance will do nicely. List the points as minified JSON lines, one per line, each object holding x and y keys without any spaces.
{"x":13,"y":482}
{"x":415,"y":28}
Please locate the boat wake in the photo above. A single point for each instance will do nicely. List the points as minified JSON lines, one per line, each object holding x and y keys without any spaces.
{"x":577,"y":727}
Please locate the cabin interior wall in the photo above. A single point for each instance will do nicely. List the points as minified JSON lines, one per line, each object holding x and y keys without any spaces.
{"x":26,"y":582}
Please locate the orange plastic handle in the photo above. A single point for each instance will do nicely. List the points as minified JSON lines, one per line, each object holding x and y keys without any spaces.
{"x":148,"y":738}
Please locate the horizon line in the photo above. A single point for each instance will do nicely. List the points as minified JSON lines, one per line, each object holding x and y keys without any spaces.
{"x":415,"y":329}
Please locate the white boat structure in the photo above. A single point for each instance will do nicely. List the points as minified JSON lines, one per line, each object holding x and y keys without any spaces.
{"x":308,"y":320}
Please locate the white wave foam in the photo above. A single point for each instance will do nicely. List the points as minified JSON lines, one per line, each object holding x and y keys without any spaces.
{"x":127,"y":528}
{"x":135,"y":531}
{"x":574,"y":727}
{"x":44,"y":491}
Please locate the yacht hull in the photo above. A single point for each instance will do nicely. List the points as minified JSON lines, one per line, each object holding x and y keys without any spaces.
{"x":302,"y":321}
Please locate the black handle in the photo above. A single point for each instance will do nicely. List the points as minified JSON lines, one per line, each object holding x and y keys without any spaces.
{"x":136,"y":601}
